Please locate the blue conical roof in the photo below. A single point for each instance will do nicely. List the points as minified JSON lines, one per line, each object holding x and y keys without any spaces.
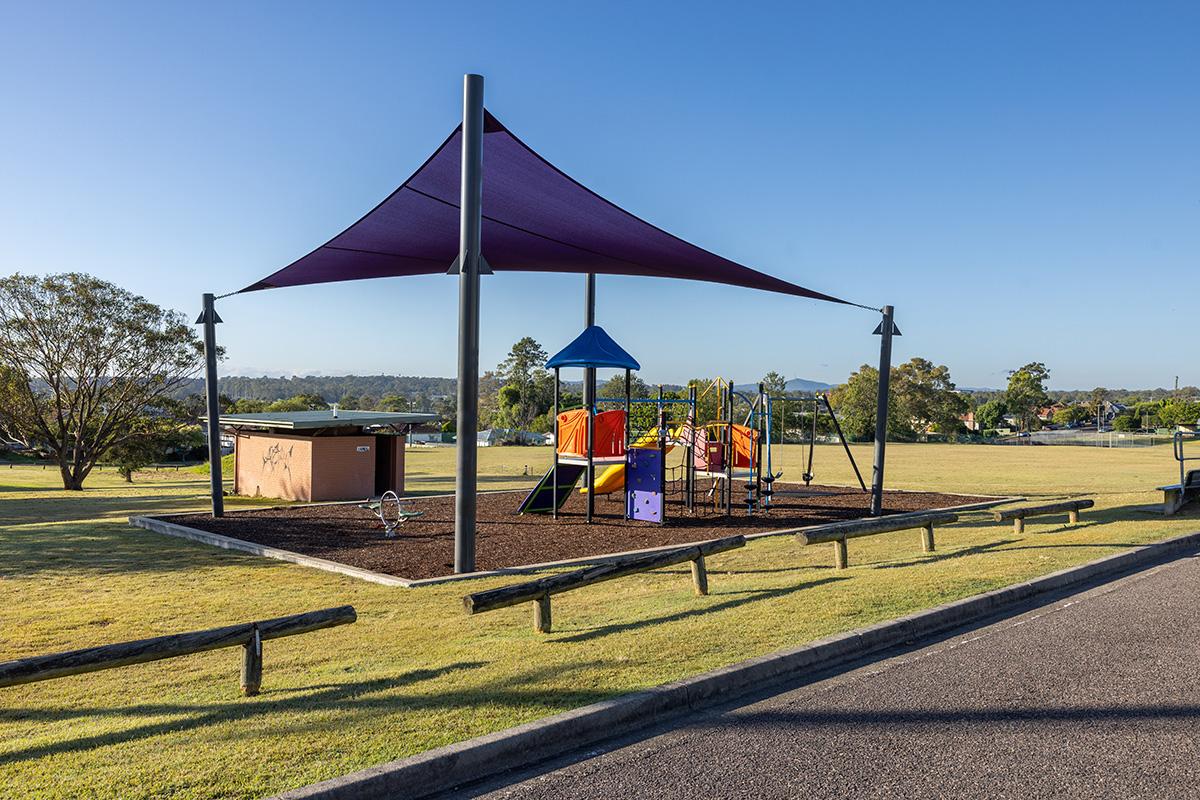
{"x":593,"y":348}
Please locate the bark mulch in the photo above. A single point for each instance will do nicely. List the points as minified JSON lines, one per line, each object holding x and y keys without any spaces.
{"x":425,"y":547}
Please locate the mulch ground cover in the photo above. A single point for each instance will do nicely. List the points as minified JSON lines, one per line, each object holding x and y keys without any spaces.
{"x":425,"y":545}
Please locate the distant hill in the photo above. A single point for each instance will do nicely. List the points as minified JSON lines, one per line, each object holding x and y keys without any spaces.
{"x":330,"y":387}
{"x":334,"y":387}
{"x":798,"y":385}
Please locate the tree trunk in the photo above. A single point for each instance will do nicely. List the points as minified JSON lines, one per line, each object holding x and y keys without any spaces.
{"x":70,"y":483}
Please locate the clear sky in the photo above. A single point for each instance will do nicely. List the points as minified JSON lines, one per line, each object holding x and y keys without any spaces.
{"x":1021,"y":180}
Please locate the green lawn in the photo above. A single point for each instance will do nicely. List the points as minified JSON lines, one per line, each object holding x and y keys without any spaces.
{"x":414,"y":672}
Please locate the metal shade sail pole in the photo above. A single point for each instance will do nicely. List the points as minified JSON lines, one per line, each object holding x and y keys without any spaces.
{"x":885,"y":330}
{"x":469,"y":258}
{"x":209,"y":318}
{"x":589,"y":319}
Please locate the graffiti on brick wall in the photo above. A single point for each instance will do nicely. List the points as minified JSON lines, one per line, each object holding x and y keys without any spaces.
{"x":278,"y":458}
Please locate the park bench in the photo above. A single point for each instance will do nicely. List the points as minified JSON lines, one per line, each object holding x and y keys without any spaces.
{"x":539,"y":591}
{"x":839,"y":532}
{"x":1177,"y":495}
{"x":1018,"y":515}
{"x":250,"y":635}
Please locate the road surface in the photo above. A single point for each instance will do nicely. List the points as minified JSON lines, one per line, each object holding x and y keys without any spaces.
{"x":1095,"y":695}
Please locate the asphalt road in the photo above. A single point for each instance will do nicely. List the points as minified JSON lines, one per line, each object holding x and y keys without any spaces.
{"x":1096,"y":695}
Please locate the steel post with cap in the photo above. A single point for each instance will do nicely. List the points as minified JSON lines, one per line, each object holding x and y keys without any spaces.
{"x":886,"y":329}
{"x":209,"y":318}
{"x":589,"y":319}
{"x":469,"y":265}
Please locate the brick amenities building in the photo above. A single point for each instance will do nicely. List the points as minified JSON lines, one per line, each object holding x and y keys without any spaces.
{"x":319,"y":455}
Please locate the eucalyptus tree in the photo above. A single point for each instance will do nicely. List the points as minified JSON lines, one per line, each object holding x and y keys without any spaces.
{"x":87,"y":367}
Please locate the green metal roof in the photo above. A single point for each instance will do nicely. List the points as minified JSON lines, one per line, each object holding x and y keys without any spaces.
{"x":308,"y":420}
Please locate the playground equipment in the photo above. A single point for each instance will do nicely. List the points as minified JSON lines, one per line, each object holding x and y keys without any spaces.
{"x":1177,"y":495}
{"x":583,"y":438}
{"x":813,"y":408}
{"x":732,"y":444}
{"x":391,"y":513}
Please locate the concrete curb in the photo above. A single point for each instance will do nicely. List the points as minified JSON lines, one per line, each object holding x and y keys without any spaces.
{"x":160,"y":523}
{"x":446,"y":767}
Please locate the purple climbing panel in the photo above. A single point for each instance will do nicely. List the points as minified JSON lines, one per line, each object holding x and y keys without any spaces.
{"x":643,"y":475}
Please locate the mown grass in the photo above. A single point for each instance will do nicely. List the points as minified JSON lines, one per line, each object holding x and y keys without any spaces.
{"x":414,"y":672}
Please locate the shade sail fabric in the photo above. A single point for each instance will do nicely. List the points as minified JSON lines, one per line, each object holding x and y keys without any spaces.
{"x":593,"y":348}
{"x":535,"y":218}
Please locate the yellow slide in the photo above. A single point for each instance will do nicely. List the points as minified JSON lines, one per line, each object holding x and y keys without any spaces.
{"x":613,"y":478}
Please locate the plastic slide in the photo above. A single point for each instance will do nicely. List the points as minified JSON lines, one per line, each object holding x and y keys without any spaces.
{"x":613,"y":478}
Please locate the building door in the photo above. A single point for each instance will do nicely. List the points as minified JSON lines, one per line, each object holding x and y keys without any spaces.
{"x":384,"y":463}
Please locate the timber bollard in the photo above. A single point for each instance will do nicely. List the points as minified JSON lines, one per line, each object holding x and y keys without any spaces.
{"x":252,"y":664}
{"x":699,"y":576}
{"x":841,"y":558}
{"x":542,"y":619}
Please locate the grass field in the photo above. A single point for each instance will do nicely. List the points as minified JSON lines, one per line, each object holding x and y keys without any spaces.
{"x":414,"y":672}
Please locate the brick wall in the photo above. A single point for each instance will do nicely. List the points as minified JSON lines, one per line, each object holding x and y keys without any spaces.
{"x":340,"y":470}
{"x":273,"y":465}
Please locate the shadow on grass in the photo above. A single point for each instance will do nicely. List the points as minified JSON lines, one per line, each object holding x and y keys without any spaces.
{"x":107,"y":548}
{"x":70,"y":506}
{"x":746,"y":597}
{"x":350,"y":697}
{"x":936,"y":557}
{"x":769,"y":570}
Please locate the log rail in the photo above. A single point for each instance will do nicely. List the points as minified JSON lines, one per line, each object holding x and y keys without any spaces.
{"x":249,"y":635}
{"x":839,"y":532}
{"x":539,"y":591}
{"x":1018,"y":515}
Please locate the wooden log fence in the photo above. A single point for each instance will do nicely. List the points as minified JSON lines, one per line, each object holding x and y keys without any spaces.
{"x":1018,"y":515}
{"x":249,"y":635}
{"x":839,"y":532}
{"x":539,"y":591}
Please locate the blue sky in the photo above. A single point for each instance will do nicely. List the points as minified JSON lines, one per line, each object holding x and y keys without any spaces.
{"x":1021,"y":180}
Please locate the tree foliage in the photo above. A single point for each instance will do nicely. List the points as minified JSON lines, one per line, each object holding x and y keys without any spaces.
{"x":922,"y":398}
{"x":85,"y":366}
{"x":526,"y":386}
{"x":991,"y":414}
{"x":927,"y":397}
{"x":1072,"y":415}
{"x":1026,"y":392}
{"x":855,"y":402}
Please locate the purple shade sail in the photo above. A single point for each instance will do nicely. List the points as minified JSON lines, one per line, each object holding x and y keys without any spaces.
{"x":535,"y":219}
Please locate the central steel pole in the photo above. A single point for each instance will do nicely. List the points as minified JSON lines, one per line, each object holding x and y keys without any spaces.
{"x":589,"y":319}
{"x":470,"y":222}
{"x":886,"y":329}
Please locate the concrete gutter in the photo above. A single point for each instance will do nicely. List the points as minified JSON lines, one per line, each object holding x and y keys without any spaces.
{"x":445,"y":768}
